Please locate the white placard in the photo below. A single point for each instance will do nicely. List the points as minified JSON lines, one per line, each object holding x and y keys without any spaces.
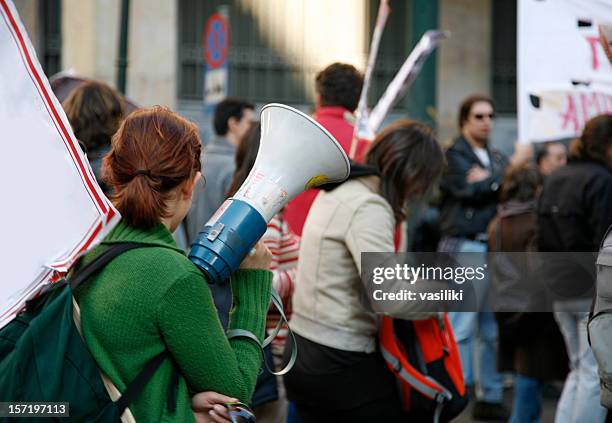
{"x":362,"y":114}
{"x":405,"y":76}
{"x":53,"y":210}
{"x":215,"y":85}
{"x":564,"y":76}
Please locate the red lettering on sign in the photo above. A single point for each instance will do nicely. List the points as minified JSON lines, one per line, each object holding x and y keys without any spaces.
{"x":570,"y":115}
{"x":594,"y":42}
{"x":581,"y":107}
{"x":608,"y":103}
{"x":587,"y":104}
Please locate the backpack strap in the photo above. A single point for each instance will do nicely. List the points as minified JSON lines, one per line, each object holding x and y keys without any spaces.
{"x":136,"y":386}
{"x":424,"y":384}
{"x":80,"y":275}
{"x":140,"y":381}
{"x":100,"y":261}
{"x":393,"y":356}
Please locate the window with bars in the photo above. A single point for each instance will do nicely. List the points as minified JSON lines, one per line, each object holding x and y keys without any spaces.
{"x":257,"y":71}
{"x":50,"y":13}
{"x":503,"y":55}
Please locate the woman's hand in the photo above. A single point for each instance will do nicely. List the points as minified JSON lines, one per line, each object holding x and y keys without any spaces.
{"x":259,"y":258}
{"x":209,"y":407}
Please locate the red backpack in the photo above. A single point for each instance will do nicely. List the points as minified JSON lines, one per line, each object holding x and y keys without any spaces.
{"x":423,"y":356}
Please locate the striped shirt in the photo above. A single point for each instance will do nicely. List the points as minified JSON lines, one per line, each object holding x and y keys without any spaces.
{"x":284,"y":246}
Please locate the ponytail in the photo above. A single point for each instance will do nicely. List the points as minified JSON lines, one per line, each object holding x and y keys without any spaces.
{"x":150,"y":206}
{"x":153,"y":152}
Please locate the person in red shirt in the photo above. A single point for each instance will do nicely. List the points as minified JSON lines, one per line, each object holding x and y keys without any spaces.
{"x":338,"y":87}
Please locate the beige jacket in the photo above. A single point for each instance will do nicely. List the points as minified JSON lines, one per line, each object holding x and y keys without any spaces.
{"x":329,"y":305}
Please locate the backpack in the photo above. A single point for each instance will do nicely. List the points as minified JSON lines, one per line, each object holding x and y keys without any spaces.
{"x":423,"y":356}
{"x":600,"y":320}
{"x":43,"y":357}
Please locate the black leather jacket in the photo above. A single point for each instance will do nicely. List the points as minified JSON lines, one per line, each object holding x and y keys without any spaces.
{"x":574,"y":212}
{"x":575,"y":207}
{"x":466,"y":209}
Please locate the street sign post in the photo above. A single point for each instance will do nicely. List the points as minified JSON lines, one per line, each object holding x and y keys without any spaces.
{"x":216,"y":46}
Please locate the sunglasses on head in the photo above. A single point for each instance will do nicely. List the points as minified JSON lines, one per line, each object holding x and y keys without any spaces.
{"x":481,"y":116}
{"x":239,"y":412}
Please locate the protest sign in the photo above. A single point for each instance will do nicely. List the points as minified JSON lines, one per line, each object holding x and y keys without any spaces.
{"x":53,"y":210}
{"x":564,"y":74}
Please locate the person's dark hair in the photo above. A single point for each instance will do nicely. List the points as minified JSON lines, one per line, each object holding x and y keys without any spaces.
{"x":409,"y":160}
{"x":95,"y":111}
{"x":542,"y":153}
{"x":595,"y":140}
{"x":339,"y":84}
{"x":154,"y":151}
{"x":226,"y":109}
{"x":468,"y":103}
{"x":520,"y":183}
{"x":246,"y":153}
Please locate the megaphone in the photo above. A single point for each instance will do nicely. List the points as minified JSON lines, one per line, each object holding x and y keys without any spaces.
{"x":295,"y":153}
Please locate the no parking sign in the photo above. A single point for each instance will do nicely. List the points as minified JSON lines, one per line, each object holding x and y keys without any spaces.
{"x":216,"y":46}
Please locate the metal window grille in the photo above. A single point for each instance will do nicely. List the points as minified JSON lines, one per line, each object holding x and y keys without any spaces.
{"x":50,"y":13}
{"x":260,"y":73}
{"x":256,"y":71}
{"x":504,"y":55}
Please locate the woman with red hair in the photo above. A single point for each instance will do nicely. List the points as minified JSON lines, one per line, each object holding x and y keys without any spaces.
{"x":150,"y":301}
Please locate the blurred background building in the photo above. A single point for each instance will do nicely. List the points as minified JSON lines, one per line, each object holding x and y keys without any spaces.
{"x":277,"y":46}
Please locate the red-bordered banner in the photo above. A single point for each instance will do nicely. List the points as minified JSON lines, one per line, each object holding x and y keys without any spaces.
{"x":45,"y":92}
{"x":107,"y":215}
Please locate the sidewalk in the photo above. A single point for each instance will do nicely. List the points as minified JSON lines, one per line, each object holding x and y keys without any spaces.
{"x":548,"y":409}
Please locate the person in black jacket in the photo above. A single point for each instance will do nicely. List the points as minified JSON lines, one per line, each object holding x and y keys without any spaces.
{"x":470,"y":185}
{"x":469,"y":189}
{"x":574,"y":211}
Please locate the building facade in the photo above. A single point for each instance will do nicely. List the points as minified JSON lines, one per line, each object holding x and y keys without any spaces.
{"x":277,"y":46}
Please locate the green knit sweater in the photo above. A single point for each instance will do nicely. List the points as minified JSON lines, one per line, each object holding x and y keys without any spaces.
{"x":153,"y":299}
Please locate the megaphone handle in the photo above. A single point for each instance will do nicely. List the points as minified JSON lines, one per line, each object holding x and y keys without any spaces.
{"x":242,"y":333}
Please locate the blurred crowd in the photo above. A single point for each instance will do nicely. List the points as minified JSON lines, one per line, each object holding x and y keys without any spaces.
{"x":465,"y":197}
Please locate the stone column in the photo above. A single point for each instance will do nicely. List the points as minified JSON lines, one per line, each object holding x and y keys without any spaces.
{"x":464,"y":60}
{"x":90,"y":45}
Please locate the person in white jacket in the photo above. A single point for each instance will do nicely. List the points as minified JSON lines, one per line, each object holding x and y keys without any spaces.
{"x":339,"y":375}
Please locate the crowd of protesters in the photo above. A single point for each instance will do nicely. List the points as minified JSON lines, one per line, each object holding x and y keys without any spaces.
{"x":160,"y":179}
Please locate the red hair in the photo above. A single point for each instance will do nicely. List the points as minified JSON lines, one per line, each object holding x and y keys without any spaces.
{"x":153,"y":152}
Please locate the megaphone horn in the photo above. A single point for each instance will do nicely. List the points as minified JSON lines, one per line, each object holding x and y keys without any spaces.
{"x":295,"y":153}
